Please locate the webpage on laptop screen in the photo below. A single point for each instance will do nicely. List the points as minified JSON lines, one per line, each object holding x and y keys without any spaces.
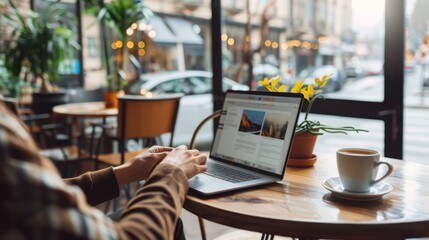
{"x":256,"y":130}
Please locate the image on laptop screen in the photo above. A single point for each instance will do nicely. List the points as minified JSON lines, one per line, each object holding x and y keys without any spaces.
{"x":256,"y":130}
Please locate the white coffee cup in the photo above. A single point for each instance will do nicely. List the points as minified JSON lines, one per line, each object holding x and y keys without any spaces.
{"x":358,"y":168}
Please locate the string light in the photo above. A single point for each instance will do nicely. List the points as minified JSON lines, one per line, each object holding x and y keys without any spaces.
{"x":306,"y":45}
{"x":224,"y":37}
{"x":267,"y":43}
{"x":134,"y":26}
{"x":275,"y":45}
{"x":152,"y":34}
{"x":130,"y":31}
{"x":141,"y":44}
{"x":231,"y":41}
{"x":130,"y":44}
{"x":119,"y":44}
{"x":141,"y":52}
{"x":142,"y":26}
{"x":284,"y":46}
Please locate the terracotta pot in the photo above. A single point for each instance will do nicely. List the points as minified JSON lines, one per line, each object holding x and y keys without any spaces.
{"x":301,"y":154}
{"x":111,"y":98}
{"x":303,"y":145}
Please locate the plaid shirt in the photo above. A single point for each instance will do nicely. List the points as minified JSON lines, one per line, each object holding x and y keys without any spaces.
{"x":35,"y":203}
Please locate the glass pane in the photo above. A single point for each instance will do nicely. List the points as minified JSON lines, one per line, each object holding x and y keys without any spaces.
{"x":175,"y":38}
{"x":329,"y":143}
{"x":304,"y":39}
{"x":68,"y":69}
{"x":416,"y":90}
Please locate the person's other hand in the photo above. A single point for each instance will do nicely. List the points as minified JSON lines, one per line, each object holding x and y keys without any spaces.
{"x":191,"y":162}
{"x":140,"y":166}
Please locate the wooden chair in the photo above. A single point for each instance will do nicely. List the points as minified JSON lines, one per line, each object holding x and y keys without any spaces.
{"x":140,"y":117}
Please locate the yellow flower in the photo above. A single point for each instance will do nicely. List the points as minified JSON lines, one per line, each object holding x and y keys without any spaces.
{"x":321,"y":84}
{"x":306,"y":94}
{"x":282,"y":88}
{"x":264,"y":82}
{"x":309,"y":94}
{"x":275,"y":81}
{"x":310,"y":89}
{"x":297,"y":87}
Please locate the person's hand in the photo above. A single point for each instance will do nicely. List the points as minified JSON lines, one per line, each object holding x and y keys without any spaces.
{"x":140,"y":167}
{"x":191,"y":162}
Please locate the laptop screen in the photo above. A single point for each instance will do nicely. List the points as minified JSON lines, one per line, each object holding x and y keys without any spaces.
{"x":256,"y":129}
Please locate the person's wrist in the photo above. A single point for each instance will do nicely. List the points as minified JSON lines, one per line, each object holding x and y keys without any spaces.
{"x":122,"y":174}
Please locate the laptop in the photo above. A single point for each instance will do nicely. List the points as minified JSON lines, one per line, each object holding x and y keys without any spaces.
{"x":252,"y":141}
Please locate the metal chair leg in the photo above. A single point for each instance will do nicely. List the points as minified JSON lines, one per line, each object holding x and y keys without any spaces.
{"x":266,"y":236}
{"x":202,"y":229}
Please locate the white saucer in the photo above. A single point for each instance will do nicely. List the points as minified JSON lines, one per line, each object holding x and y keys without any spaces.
{"x":376,"y":192}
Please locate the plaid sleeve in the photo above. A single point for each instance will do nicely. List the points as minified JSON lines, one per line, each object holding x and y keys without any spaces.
{"x":38,"y":205}
{"x":35,"y":203}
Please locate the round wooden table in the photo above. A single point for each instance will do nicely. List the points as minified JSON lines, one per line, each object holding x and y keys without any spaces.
{"x":79,"y":111}
{"x":301,"y":207}
{"x":85,"y":110}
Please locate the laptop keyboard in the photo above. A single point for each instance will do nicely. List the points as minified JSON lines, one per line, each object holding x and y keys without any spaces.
{"x":228,"y":174}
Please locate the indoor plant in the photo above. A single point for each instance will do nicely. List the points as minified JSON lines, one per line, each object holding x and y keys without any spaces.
{"x":306,"y":131}
{"x":39,"y":43}
{"x":9,"y":85}
{"x":119,"y":16}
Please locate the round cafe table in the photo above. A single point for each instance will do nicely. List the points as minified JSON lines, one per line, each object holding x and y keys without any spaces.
{"x":78,"y":111}
{"x":85,"y":110}
{"x":299,"y":206}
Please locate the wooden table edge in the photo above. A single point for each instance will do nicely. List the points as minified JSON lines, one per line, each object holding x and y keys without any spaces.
{"x":392,"y":229}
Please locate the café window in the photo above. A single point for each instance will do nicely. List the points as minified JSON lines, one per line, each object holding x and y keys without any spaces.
{"x":348,"y":37}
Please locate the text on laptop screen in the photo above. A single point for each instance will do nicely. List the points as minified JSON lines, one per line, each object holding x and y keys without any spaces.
{"x":256,"y":130}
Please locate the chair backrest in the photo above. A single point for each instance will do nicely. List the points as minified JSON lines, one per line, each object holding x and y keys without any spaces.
{"x":78,"y":95}
{"x":142,"y":117}
{"x":12,"y":105}
{"x":44,"y":102}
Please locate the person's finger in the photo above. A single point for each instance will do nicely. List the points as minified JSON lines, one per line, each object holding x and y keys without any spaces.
{"x":201,"y":159}
{"x":159,"y":149}
{"x":160,"y":156}
{"x":194,"y":152}
{"x":204,"y":161}
{"x":201,"y":169}
{"x":183,"y":147}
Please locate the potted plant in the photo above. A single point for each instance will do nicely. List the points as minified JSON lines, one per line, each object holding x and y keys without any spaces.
{"x":40,"y":43}
{"x":9,"y":85}
{"x":307,"y":131}
{"x":119,"y":16}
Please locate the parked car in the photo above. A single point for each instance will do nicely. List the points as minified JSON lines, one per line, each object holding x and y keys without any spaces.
{"x":372,"y":67}
{"x":335,"y":82}
{"x":353,"y":71}
{"x":196,"y":105}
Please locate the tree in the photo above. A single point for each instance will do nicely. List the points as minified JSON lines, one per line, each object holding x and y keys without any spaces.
{"x":247,"y":53}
